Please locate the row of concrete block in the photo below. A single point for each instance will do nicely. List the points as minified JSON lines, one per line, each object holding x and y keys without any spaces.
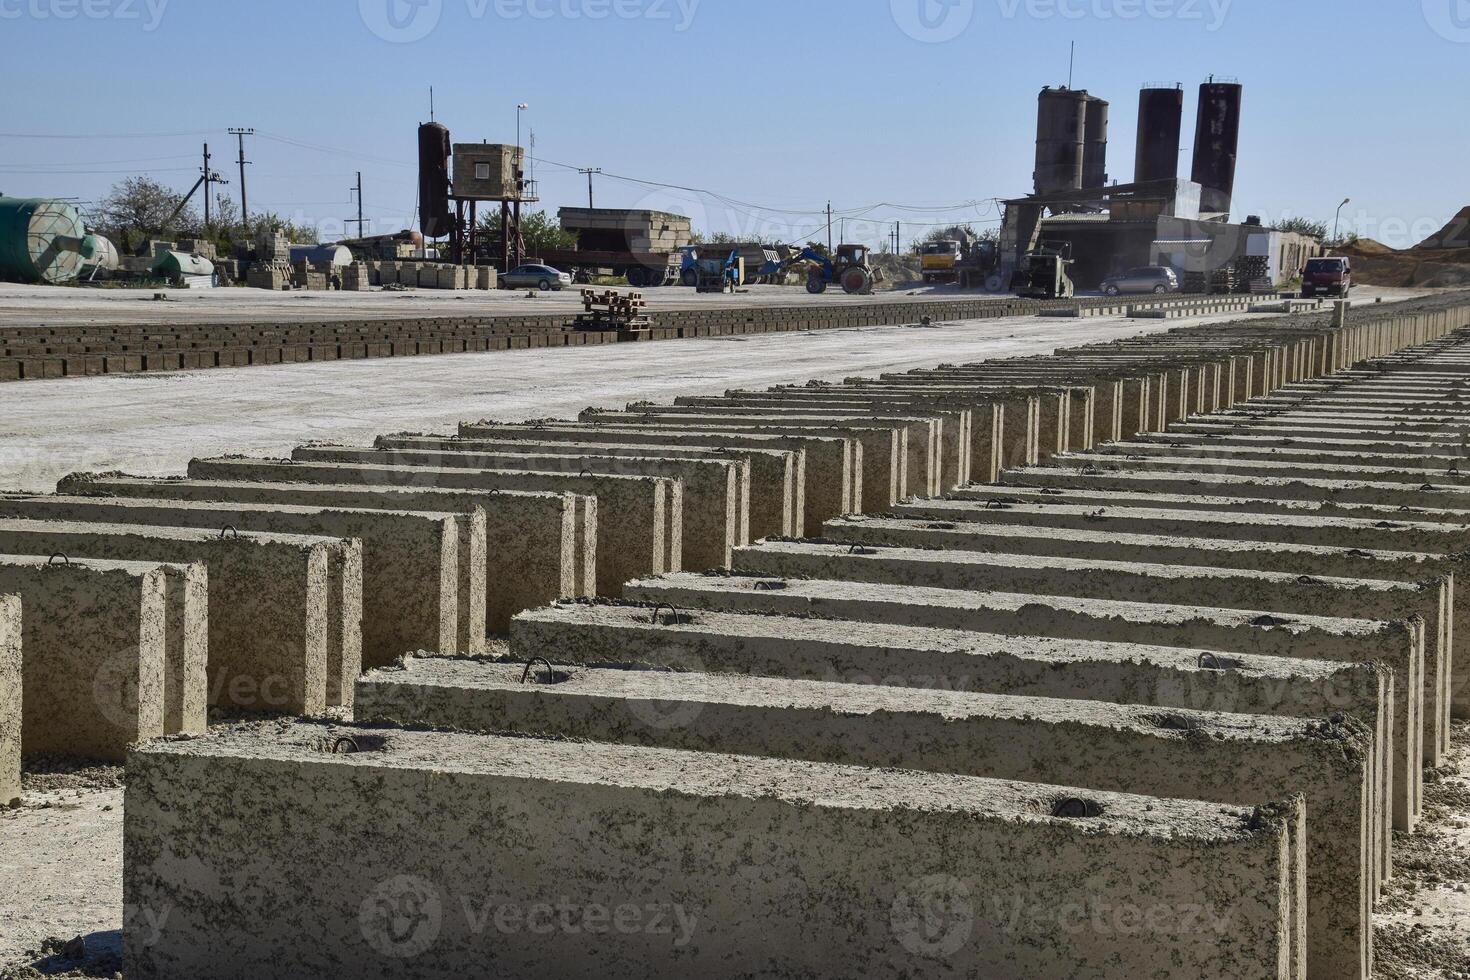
{"x":931,"y":740}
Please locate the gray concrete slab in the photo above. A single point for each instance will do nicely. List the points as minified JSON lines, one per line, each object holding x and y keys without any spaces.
{"x":716,"y":493}
{"x":418,"y":592}
{"x":269,"y":600}
{"x":831,"y":465}
{"x":640,"y":519}
{"x":1399,"y":645}
{"x":92,"y":654}
{"x":734,"y":843}
{"x":1238,"y":759}
{"x":11,"y":699}
{"x":777,"y":476}
{"x":542,"y":545}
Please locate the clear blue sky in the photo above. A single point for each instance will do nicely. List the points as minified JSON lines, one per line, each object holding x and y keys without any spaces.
{"x":775,"y":105}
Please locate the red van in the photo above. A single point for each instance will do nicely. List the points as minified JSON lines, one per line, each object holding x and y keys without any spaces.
{"x":1332,"y":276}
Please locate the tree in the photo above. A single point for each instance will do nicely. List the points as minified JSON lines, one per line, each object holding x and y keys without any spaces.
{"x":139,"y":208}
{"x":1303,"y":226}
{"x":714,"y":238}
{"x":539,"y":229}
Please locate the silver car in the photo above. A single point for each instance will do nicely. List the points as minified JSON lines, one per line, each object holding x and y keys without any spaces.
{"x":1148,"y":279}
{"x":542,"y":277}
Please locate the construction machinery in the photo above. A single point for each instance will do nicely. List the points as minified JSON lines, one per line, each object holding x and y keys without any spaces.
{"x":979,"y":266}
{"x":1042,"y":273}
{"x":939,"y":261}
{"x":851,"y":268}
{"x":719,"y":275}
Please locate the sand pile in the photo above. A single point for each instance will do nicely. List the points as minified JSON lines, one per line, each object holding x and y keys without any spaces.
{"x":1441,"y":260}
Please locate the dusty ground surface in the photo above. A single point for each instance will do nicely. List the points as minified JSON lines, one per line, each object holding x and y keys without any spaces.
{"x":154,"y":424}
{"x":57,"y":305}
{"x":1424,"y":921}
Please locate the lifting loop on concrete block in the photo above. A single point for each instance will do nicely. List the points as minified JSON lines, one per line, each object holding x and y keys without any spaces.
{"x":1076,"y":808}
{"x":1209,"y":661}
{"x":1307,"y":580}
{"x":858,"y":549}
{"x":671,"y":619}
{"x":550,"y":670}
{"x":52,"y":559}
{"x":343,"y":745}
{"x":586,"y":472}
{"x":774,"y":585}
{"x":229,"y":529}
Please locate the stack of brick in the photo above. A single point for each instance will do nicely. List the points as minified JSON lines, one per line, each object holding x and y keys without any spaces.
{"x":355,"y":277}
{"x":272,"y":266}
{"x":307,"y":275}
{"x":485,"y":277}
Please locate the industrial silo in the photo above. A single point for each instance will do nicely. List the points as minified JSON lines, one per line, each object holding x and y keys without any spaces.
{"x":42,"y":241}
{"x":1061,"y":133}
{"x":1160,"y":123}
{"x":434,"y":220}
{"x":1216,"y":142}
{"x":1095,"y":145}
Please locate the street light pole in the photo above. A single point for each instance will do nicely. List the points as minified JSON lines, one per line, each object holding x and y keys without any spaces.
{"x":1337,"y":221}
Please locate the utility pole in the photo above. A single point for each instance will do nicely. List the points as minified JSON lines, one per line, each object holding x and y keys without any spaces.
{"x":209,"y":179}
{"x":243,"y":132}
{"x":358,"y":190}
{"x":830,"y":250}
{"x":589,"y":172}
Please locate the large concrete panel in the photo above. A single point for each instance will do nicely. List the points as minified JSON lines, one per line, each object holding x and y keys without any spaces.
{"x":755,"y":866}
{"x":11,"y":698}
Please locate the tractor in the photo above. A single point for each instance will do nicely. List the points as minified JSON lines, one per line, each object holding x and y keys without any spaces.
{"x":850,"y":269}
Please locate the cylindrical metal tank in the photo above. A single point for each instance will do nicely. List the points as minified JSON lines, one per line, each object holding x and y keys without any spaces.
{"x":434,"y":219}
{"x":335,"y":255}
{"x":1160,"y":123}
{"x":1061,"y":128}
{"x":42,"y":241}
{"x":1216,"y":142}
{"x":105,"y":259}
{"x":175,"y":265}
{"x":1095,"y":145}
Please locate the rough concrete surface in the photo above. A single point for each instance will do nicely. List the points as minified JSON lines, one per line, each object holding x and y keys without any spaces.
{"x":11,"y":694}
{"x":722,"y":839}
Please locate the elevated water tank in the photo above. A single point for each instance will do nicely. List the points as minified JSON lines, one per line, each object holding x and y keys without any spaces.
{"x":42,"y":241}
{"x":1061,"y":128}
{"x":1160,"y":122}
{"x":434,"y":219}
{"x":1216,"y":143}
{"x":1095,"y":144}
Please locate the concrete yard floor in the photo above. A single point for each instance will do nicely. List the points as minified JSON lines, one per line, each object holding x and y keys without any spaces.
{"x":153,"y":424}
{"x":57,"y":305}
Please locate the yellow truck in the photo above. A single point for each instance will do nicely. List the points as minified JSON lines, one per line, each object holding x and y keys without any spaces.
{"x":939,"y":261}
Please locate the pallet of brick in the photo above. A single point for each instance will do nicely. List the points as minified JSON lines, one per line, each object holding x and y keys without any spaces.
{"x":545,"y":543}
{"x":272,"y":601}
{"x":486,"y":277}
{"x":891,"y":844}
{"x":1238,"y":759}
{"x":11,"y":699}
{"x":423,"y":573}
{"x":356,"y":277}
{"x":93,"y":637}
{"x":640,"y":522}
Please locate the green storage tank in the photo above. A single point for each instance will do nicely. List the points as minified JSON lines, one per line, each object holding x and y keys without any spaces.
{"x":42,"y":241}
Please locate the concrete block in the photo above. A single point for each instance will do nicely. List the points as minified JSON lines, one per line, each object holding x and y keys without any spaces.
{"x":92,"y":642}
{"x":1449,"y":667}
{"x":776,"y":486}
{"x":640,"y":519}
{"x":418,"y":592}
{"x":270,"y":600}
{"x":1238,"y":759}
{"x":544,"y":543}
{"x":716,"y":492}
{"x":1399,"y":645}
{"x":825,"y":869}
{"x":11,"y":699}
{"x":831,"y":465}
